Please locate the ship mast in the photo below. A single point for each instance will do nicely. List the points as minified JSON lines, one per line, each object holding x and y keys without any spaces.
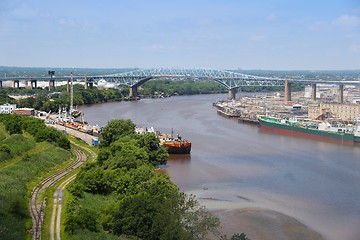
{"x":71,"y":94}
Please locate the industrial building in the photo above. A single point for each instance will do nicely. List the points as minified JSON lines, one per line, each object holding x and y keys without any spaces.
{"x":344,"y":111}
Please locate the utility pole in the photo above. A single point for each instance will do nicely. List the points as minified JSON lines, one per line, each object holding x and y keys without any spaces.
{"x":71,"y":94}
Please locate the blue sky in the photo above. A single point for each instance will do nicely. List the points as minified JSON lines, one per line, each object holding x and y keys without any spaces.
{"x":227,"y":34}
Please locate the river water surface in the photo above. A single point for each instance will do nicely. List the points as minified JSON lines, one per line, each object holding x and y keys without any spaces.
{"x":238,"y":170}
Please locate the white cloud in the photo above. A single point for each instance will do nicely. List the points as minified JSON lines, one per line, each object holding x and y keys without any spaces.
{"x":342,"y":21}
{"x":347,"y":20}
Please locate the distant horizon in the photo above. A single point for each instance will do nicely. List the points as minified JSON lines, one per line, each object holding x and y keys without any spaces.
{"x":114,"y":68}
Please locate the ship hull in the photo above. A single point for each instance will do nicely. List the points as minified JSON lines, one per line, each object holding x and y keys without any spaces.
{"x":344,"y":138}
{"x":178,"y":147}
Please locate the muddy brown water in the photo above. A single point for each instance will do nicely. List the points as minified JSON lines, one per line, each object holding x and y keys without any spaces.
{"x":296,"y":188}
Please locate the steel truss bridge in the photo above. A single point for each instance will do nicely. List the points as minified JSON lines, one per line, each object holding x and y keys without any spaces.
{"x":228,"y":79}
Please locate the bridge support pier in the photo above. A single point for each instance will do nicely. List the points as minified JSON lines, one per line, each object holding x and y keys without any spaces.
{"x":51,"y":84}
{"x":287,"y":94}
{"x":89,"y":83}
{"x":1,"y":85}
{"x":341,"y":93}
{"x":16,"y":84}
{"x":232,"y":93}
{"x":133,"y":92}
{"x":313,"y":91}
{"x":33,"y":84}
{"x":85,"y":82}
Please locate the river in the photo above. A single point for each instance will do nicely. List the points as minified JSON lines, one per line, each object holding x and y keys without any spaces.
{"x":266,"y":185}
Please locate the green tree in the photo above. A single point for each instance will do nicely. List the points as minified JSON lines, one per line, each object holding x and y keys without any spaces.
{"x":116,"y":129}
{"x":157,"y":154}
{"x":13,"y":124}
{"x":195,"y":218}
{"x":126,"y":154}
{"x":96,"y":180}
{"x":82,"y":218}
{"x":52,"y":135}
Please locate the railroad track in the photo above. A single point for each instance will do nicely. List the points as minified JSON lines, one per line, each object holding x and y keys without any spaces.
{"x":37,"y":209}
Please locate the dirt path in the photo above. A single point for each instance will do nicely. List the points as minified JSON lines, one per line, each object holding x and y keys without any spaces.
{"x":55,"y":224}
{"x":57,"y":208}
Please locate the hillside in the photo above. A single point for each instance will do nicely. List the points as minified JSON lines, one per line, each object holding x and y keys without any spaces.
{"x":24,"y":159}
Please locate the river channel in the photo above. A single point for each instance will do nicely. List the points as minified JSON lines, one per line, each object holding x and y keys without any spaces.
{"x":266,"y":185}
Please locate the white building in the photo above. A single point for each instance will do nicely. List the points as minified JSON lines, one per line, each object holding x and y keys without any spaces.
{"x":7,"y":108}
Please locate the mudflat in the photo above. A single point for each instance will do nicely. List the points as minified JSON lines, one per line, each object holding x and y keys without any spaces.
{"x":263,"y":224}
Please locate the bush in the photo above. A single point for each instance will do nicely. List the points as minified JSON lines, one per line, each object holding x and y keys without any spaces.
{"x":6,"y":149}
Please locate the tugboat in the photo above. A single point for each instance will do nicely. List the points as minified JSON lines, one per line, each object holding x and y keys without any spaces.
{"x":175,"y":145}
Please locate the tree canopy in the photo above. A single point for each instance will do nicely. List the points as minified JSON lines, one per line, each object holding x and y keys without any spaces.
{"x":16,"y":124}
{"x":141,"y":202}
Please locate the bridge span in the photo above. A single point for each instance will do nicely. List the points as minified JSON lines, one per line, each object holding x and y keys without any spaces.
{"x":229,"y":79}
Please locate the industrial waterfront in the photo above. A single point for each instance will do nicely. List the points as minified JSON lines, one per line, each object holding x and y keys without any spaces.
{"x":260,"y":183}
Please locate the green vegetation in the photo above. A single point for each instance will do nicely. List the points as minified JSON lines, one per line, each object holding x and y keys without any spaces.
{"x":13,"y":188}
{"x":28,"y":151}
{"x":51,"y":102}
{"x":189,"y":87}
{"x":16,"y":145}
{"x":186,"y":87}
{"x":123,"y":195}
{"x":16,"y":124}
{"x":42,"y":99}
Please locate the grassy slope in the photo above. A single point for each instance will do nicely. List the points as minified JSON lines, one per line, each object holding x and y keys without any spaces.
{"x":33,"y":161}
{"x":3,"y":133}
{"x":19,"y":145}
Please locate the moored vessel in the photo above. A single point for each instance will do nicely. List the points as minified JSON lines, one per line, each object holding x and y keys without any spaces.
{"x":75,"y":113}
{"x":175,"y":145}
{"x":319,"y":130}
